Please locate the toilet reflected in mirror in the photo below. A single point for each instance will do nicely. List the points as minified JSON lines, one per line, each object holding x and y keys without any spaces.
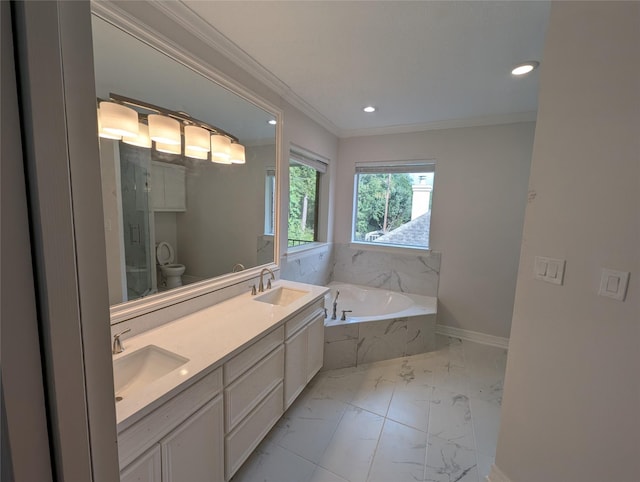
{"x":171,"y":272}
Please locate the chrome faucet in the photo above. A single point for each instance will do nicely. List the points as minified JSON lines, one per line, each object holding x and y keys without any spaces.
{"x":261,"y":285}
{"x":335,"y":305}
{"x":118,"y":347}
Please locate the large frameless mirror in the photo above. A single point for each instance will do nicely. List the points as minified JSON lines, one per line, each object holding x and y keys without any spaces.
{"x":178,"y":214}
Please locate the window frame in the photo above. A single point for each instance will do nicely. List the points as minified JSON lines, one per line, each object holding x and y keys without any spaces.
{"x":321,"y":166}
{"x":389,"y":167}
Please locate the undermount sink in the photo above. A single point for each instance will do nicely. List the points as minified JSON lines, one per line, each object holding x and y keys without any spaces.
{"x":142,"y":367}
{"x":280,"y":296}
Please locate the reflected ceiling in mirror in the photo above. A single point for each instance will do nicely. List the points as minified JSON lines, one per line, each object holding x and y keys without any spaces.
{"x":172,"y":220}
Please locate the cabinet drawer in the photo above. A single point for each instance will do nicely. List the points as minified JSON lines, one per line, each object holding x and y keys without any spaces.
{"x":137,"y":438}
{"x":304,"y":317}
{"x":245,"y":438}
{"x":249,"y":390}
{"x":248,"y":357}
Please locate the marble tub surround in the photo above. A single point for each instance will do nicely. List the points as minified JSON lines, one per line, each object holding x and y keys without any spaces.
{"x":308,"y":265}
{"x":379,"y":267}
{"x":207,"y":338}
{"x":353,"y":344}
{"x":365,"y":339}
{"x":407,"y":419}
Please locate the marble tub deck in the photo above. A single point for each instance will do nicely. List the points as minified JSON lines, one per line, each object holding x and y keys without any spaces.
{"x":428,"y":417}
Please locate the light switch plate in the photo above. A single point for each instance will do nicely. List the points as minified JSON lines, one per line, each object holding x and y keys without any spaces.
{"x":613,"y":284}
{"x":550,"y":270}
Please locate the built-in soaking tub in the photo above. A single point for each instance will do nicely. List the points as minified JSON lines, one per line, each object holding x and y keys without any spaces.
{"x":379,"y":324}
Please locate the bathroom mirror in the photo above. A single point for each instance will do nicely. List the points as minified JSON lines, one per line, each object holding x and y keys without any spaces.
{"x":159,"y":208}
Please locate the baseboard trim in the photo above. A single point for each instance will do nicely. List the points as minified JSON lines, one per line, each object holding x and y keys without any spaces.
{"x":475,"y":336}
{"x":496,"y":475}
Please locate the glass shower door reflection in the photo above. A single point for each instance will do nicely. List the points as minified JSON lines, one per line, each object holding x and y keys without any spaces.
{"x":135,"y":164}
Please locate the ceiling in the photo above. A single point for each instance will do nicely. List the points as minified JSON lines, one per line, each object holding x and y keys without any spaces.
{"x":422,"y":64}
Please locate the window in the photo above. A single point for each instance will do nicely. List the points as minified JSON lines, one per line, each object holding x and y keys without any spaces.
{"x":270,"y":202}
{"x":304,"y":190}
{"x":393,"y":203}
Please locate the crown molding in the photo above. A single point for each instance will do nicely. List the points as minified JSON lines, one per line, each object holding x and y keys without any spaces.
{"x":207,"y":33}
{"x":529,"y":116}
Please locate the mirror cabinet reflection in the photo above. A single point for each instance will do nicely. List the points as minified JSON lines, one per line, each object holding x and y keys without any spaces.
{"x":187,"y":206}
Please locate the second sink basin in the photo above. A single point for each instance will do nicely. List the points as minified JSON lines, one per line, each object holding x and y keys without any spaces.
{"x":142,"y":367}
{"x":280,"y":296}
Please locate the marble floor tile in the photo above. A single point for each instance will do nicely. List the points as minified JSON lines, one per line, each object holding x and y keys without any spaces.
{"x":323,"y":475}
{"x":450,"y":417}
{"x":309,"y":427}
{"x":353,"y":445}
{"x":372,"y":422}
{"x":448,"y":461}
{"x":400,"y":456}
{"x":410,"y":404}
{"x":272,"y":463}
{"x":486,"y":423}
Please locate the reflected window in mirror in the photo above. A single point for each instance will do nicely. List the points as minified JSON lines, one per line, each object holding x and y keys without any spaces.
{"x":270,"y":203}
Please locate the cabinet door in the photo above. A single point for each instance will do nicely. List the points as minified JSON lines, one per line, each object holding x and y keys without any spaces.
{"x":146,"y":468}
{"x":194,"y":451}
{"x":315,"y":344}
{"x":174,"y":189}
{"x":295,"y":366}
{"x":157,"y":187}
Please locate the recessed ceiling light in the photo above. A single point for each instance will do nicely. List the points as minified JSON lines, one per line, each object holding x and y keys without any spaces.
{"x":368,"y":109}
{"x":524,"y":68}
{"x":272,"y":122}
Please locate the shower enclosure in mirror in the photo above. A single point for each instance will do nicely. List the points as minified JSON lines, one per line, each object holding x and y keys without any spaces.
{"x":175,"y":216}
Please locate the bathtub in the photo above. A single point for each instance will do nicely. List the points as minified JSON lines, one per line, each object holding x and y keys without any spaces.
{"x":381,"y":324}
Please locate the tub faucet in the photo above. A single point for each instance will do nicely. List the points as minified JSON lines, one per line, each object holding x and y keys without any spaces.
{"x":335,"y":305}
{"x":261,"y":285}
{"x":344,"y":314}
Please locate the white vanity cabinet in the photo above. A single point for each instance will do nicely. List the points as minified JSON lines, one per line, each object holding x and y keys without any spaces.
{"x":146,"y":468}
{"x":182,"y":440}
{"x":304,"y":347}
{"x":253,"y":397}
{"x":207,"y":431}
{"x":168,"y":187}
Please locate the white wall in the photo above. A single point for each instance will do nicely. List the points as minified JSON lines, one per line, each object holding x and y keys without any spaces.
{"x":479,"y":196}
{"x":572,"y":394}
{"x":225,"y":214}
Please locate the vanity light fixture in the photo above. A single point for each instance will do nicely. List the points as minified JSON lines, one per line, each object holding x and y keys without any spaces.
{"x":369,"y":109}
{"x":237,"y":154}
{"x":164,"y":127}
{"x":524,"y":68}
{"x":103,"y":134}
{"x":196,"y":139}
{"x":118,"y":120}
{"x":169,"y":148}
{"x":220,"y":159}
{"x":220,"y":145}
{"x":142,"y":139}
{"x":164,"y":130}
{"x":195,"y":154}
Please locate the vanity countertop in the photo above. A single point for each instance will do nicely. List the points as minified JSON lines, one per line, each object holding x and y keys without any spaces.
{"x":208,"y":338}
